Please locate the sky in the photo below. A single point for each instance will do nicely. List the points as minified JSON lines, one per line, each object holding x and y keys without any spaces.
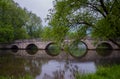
{"x":39,"y":7}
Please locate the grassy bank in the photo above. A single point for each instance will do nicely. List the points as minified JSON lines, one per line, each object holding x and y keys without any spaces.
{"x":21,"y":77}
{"x":111,"y":72}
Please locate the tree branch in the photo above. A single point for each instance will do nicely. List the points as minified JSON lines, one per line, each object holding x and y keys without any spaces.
{"x":104,"y":7}
{"x":84,"y":22}
{"x":94,"y":7}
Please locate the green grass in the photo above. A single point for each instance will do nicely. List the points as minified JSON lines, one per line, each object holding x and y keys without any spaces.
{"x":112,"y":72}
{"x":21,"y":77}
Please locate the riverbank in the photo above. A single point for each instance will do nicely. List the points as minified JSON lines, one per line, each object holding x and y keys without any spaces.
{"x":20,"y":77}
{"x":107,"y":72}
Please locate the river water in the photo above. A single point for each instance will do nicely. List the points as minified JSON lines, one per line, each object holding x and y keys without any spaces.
{"x":41,"y":65}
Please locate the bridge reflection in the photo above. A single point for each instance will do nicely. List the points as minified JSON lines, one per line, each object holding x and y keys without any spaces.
{"x":88,"y":56}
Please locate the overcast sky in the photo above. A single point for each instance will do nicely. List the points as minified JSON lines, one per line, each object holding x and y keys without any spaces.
{"x":39,"y":7}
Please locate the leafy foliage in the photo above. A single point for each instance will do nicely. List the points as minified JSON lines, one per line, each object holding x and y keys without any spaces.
{"x":6,"y":34}
{"x":102,"y":16}
{"x":14,"y":19}
{"x":33,"y":26}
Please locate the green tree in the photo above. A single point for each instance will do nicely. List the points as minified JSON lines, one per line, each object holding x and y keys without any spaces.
{"x":102,"y":16}
{"x":6,"y":34}
{"x":33,"y":26}
{"x":53,"y":33}
{"x":17,"y":23}
{"x":12,"y":18}
{"x":47,"y":33}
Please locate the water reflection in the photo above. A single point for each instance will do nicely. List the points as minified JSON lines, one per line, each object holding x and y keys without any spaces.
{"x":65,"y":69}
{"x":43,"y":66}
{"x":104,"y":49}
{"x":31,"y":52}
{"x":104,"y":52}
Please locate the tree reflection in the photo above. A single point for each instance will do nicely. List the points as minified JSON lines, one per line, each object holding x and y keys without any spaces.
{"x":16,"y":67}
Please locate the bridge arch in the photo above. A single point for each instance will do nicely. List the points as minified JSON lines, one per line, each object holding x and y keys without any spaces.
{"x":31,"y":46}
{"x":81,"y":44}
{"x":49,"y":45}
{"x":53,"y":49}
{"x":78,"y":49}
{"x":104,"y":49}
{"x":84,"y":44}
{"x":14,"y":47}
{"x":104,"y":45}
{"x":31,"y":49}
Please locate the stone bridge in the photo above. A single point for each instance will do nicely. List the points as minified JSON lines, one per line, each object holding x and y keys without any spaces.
{"x":23,"y":44}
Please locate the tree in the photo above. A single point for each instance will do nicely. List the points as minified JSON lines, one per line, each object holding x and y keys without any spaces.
{"x":102,"y":16}
{"x":53,"y":33}
{"x":17,"y":23}
{"x":33,"y":26}
{"x":12,"y":18}
{"x":47,"y":33}
{"x":6,"y":34}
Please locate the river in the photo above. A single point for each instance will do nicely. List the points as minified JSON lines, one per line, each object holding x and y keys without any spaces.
{"x":42,"y":65}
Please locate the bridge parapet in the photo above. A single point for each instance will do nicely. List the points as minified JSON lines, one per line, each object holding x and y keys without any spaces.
{"x":27,"y":40}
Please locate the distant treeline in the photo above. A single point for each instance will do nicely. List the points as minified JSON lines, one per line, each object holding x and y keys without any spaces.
{"x":17,"y":23}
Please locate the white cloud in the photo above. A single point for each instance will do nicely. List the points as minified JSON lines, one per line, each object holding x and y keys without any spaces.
{"x":39,"y":7}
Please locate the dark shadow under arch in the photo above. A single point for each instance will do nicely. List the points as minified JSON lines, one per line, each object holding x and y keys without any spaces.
{"x":104,"y":45}
{"x":31,"y":49}
{"x":14,"y":48}
{"x":104,"y":49}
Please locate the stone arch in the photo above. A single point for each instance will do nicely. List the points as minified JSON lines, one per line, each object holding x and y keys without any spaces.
{"x":14,"y":47}
{"x":48,"y":45}
{"x":31,"y":46}
{"x":104,"y":49}
{"x":31,"y":49}
{"x":85,"y":44}
{"x":53,"y":49}
{"x":82,"y":41}
{"x":105,"y":45}
{"x":78,"y":49}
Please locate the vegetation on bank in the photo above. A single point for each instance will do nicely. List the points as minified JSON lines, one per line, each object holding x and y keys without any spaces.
{"x":109,"y":72}
{"x":21,"y":77}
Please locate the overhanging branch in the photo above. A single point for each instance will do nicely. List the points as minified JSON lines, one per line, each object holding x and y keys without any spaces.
{"x":94,"y":7}
{"x":104,"y":7}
